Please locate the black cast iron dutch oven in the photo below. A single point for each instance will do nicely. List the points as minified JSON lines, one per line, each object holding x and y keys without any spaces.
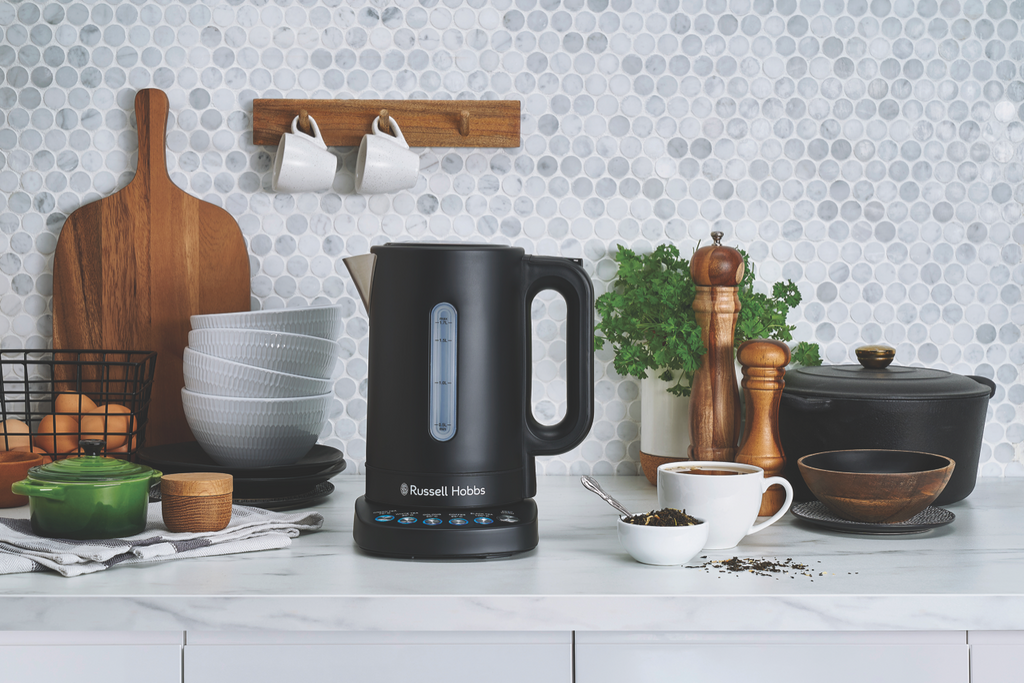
{"x":875,"y":405}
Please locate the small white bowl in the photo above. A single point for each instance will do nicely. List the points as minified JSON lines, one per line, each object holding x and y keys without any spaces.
{"x":316,"y":321}
{"x":255,"y":432}
{"x":296,"y":354}
{"x":211,"y":375}
{"x":662,"y":545}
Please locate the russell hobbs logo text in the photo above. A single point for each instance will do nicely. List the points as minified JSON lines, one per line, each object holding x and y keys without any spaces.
{"x":443,"y":491}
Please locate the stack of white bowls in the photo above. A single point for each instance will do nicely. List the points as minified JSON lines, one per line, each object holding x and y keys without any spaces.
{"x":258,"y":384}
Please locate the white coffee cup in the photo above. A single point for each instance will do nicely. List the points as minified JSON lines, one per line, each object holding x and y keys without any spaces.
{"x":385,"y":163}
{"x":728,"y":503}
{"x":303,"y":162}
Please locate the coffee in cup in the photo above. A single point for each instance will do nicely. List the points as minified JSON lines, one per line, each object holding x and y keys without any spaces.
{"x":728,"y":504}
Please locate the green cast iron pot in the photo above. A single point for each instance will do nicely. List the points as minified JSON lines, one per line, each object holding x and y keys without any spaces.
{"x":89,"y":497}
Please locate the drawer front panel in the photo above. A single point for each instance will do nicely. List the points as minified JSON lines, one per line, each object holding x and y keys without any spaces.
{"x":772,"y":663}
{"x":91,"y":663}
{"x":383,"y":663}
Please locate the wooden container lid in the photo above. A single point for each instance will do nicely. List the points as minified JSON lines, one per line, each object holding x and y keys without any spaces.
{"x":717,"y":265}
{"x":196,"y":484}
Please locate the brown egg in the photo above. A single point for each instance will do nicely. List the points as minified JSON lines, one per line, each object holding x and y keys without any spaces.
{"x":57,"y":434}
{"x":111,"y":423}
{"x":73,"y":404}
{"x":16,"y":434}
{"x":125,"y":448}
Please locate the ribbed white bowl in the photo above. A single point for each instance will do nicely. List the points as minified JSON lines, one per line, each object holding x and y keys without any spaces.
{"x":296,"y":354}
{"x":211,"y":375}
{"x":255,"y":432}
{"x":316,"y":321}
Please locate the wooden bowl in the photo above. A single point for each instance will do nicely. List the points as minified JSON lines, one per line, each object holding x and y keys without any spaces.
{"x":876,"y":486}
{"x":649,"y":464}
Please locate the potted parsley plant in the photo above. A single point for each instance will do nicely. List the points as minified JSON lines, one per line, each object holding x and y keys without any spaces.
{"x":648,"y":319}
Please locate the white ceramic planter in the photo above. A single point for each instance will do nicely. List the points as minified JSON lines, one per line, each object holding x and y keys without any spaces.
{"x":664,"y":419}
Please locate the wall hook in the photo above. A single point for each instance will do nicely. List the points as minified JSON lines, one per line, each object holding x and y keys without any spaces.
{"x":304,"y":122}
{"x":385,"y":122}
{"x":464,"y":123}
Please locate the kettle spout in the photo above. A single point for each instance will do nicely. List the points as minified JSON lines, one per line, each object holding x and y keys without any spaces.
{"x":361,"y":269}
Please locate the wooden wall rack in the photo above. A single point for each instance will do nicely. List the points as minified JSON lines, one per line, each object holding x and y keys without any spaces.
{"x":424,"y":123}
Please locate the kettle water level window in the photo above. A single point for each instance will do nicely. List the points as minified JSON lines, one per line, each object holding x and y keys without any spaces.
{"x":444,"y":332}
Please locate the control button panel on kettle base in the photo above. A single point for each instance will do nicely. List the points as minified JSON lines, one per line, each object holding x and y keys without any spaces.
{"x":484,"y":518}
{"x":446,"y":532}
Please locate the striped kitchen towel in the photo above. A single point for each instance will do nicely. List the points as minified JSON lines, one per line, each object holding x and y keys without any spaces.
{"x":250,"y":529}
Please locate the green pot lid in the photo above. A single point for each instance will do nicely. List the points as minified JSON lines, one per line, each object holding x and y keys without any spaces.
{"x":90,"y":468}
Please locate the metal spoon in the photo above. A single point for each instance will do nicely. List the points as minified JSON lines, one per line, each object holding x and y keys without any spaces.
{"x":591,"y":484}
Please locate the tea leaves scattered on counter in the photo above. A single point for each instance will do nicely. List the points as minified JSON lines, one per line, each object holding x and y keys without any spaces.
{"x":760,"y":567}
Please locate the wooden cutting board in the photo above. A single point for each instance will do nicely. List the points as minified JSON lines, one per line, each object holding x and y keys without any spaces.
{"x":130,"y":269}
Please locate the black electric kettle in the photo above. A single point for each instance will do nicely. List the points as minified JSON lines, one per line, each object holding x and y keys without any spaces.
{"x":451,"y":435}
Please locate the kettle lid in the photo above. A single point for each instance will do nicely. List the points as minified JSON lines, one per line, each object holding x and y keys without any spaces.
{"x":441,"y":246}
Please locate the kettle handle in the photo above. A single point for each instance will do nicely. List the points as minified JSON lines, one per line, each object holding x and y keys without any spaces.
{"x":567,"y":277}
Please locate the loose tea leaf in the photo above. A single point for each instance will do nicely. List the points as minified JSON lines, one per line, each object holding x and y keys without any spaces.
{"x":760,"y":567}
{"x":664,"y":517}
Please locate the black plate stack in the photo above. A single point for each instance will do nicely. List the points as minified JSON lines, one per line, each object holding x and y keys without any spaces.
{"x":288,"y":487}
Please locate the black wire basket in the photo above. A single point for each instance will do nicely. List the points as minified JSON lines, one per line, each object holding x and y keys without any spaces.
{"x":53,"y":399}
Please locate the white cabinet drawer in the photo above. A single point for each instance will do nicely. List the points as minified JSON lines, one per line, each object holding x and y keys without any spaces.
{"x":90,"y":657}
{"x":422,"y":658}
{"x":997,"y":656}
{"x":772,"y":661}
{"x":92,"y":663}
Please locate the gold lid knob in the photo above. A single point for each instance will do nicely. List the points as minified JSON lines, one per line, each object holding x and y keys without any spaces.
{"x":876,"y":357}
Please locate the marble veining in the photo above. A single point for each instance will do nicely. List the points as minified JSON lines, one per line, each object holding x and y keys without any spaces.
{"x":963,"y":576}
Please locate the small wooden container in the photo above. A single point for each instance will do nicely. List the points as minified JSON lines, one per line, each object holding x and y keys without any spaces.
{"x":196,"y":501}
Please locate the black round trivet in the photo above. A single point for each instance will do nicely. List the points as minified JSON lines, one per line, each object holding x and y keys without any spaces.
{"x":816,"y":513}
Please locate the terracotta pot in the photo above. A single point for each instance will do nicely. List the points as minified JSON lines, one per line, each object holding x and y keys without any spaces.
{"x":14,"y":466}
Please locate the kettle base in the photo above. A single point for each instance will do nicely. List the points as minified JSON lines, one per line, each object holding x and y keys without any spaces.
{"x":445,"y":533}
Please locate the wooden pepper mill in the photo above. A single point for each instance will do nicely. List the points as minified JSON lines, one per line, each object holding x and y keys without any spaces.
{"x":714,"y":397}
{"x":764,"y":364}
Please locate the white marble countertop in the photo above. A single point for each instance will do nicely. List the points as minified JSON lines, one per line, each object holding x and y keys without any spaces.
{"x":963,"y":576}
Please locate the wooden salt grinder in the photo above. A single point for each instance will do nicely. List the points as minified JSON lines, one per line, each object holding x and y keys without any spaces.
{"x":764,"y":364}
{"x":714,"y":398}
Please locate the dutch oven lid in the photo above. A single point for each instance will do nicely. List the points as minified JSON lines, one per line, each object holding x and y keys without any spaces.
{"x":90,"y":468}
{"x":875,"y":379}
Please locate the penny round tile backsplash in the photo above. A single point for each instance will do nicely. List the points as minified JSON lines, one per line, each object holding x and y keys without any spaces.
{"x":872,"y":151}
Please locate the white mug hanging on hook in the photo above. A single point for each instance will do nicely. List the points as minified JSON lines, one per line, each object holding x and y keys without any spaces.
{"x":385,"y":163}
{"x":303,"y":162}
